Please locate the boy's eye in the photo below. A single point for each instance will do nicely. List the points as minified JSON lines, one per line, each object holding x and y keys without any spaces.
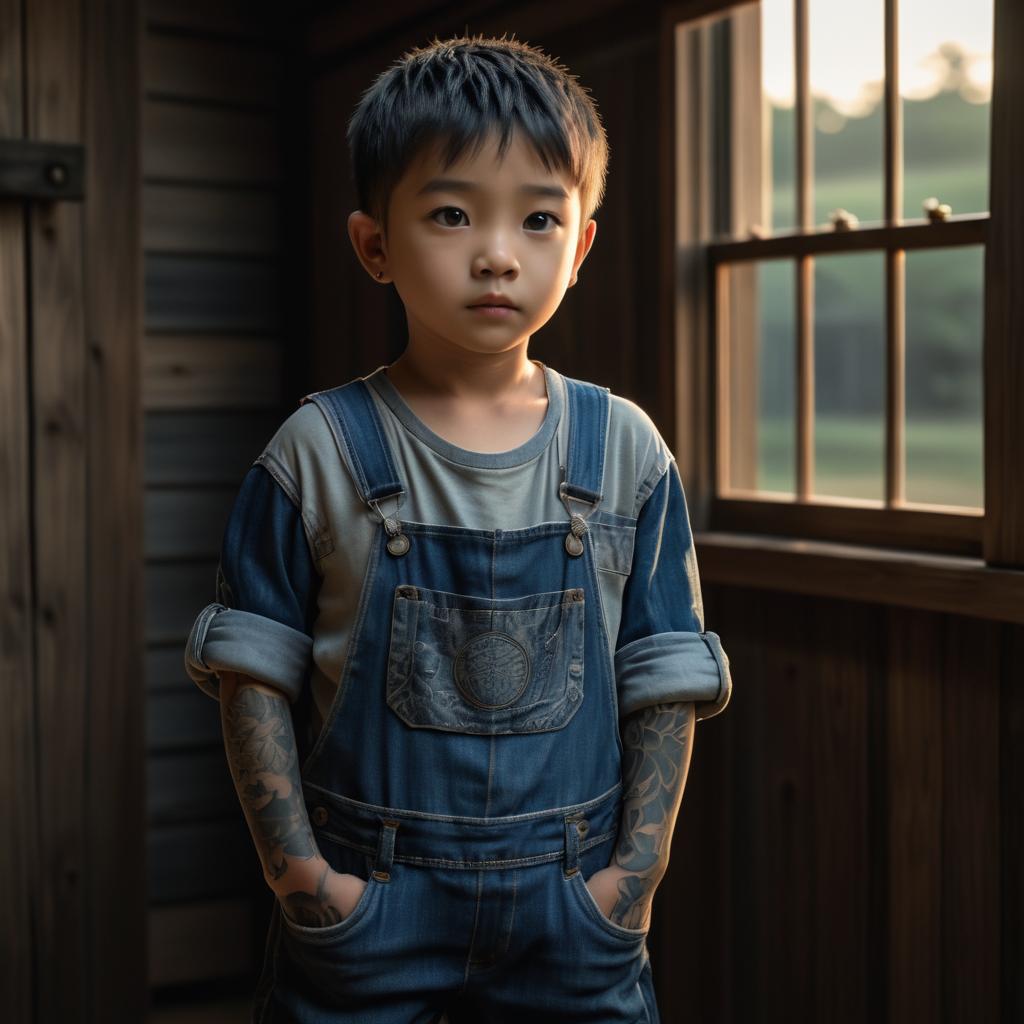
{"x":550,"y":216}
{"x":446,"y":210}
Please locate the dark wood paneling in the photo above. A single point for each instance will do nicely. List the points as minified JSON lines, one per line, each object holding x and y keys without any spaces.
{"x":237,"y":19}
{"x":202,"y":860}
{"x":20,"y":854}
{"x":181,"y":718}
{"x":201,"y":293}
{"x":53,"y":55}
{"x":203,"y":371}
{"x":970,"y":819}
{"x":188,"y":786}
{"x":217,"y":105}
{"x":868,"y":812}
{"x":1011,"y":820}
{"x":115,"y":806}
{"x":193,"y":942}
{"x":165,"y":670}
{"x":200,"y":220}
{"x":914,"y":759}
{"x":186,"y":523}
{"x":211,"y":448}
{"x":190,"y":143}
{"x":199,"y":69}
{"x":175,"y":594}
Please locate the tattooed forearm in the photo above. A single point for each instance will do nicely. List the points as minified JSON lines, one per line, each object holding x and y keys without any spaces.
{"x":259,"y":738}
{"x":657,"y":743}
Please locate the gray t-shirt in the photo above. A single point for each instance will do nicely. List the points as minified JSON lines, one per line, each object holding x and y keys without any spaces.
{"x":450,"y":485}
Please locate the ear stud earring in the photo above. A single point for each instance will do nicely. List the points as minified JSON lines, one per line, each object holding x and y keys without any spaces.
{"x":380,"y":274}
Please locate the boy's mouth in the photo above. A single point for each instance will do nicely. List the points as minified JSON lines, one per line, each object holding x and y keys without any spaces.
{"x":493,"y":300}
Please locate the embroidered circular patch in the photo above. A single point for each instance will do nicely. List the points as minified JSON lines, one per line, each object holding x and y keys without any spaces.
{"x":491,"y":670}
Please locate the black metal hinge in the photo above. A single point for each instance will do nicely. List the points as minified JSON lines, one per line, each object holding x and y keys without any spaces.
{"x":41,"y":170}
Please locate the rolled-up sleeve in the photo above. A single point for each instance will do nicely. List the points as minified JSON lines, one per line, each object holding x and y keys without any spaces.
{"x":663,"y":653}
{"x":261,"y":622}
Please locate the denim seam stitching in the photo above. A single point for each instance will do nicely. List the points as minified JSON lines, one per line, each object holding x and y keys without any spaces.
{"x":401,"y":812}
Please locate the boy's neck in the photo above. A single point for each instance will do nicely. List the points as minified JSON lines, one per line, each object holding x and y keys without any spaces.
{"x":472,"y":380}
{"x":496,"y":404}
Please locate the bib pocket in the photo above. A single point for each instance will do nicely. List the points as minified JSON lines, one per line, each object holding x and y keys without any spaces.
{"x":485,"y":666}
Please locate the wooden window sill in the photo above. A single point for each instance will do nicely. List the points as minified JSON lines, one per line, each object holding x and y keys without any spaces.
{"x":942,"y":583}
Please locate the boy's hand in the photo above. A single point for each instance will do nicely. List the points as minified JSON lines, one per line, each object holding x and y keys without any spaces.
{"x":330,"y":898}
{"x":624,"y":897}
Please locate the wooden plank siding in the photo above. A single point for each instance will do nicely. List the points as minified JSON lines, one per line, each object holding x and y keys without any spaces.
{"x":58,"y":397}
{"x":214,"y":378}
{"x":19,"y":844}
{"x":73,"y":856}
{"x":860,"y":871}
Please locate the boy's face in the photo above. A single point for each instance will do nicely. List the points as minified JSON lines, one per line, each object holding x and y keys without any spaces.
{"x":481,"y":226}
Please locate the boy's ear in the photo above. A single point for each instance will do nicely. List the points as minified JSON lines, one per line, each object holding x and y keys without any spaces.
{"x":582,"y":248}
{"x":368,"y":242}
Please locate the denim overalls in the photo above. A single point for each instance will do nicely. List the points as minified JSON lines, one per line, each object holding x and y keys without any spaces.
{"x":469,"y":768}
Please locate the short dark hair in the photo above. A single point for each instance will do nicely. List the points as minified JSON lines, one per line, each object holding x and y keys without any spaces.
{"x":457,"y":92}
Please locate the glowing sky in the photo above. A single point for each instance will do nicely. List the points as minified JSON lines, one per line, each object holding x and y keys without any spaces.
{"x":847,"y":56}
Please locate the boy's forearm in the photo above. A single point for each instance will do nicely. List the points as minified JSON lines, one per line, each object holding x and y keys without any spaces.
{"x":657,"y":743}
{"x":259,"y":739}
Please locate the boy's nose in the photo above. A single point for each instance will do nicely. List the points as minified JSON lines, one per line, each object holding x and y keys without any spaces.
{"x":498,"y":261}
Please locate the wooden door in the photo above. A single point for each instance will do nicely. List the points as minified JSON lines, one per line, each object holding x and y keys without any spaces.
{"x":72,"y":864}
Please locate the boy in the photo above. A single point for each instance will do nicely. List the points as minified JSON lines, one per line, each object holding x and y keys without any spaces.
{"x":458,"y":638}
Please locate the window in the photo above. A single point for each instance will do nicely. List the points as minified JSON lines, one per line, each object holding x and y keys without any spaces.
{"x":847,"y":162}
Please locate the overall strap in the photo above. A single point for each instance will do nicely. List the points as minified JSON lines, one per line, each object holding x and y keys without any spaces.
{"x":357,"y":429}
{"x":589,"y":410}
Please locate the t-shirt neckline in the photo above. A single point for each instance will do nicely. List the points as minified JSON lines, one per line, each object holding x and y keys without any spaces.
{"x":530,"y":449}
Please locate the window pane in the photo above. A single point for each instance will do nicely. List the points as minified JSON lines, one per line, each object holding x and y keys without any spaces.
{"x":849,"y":375}
{"x":778,"y":112}
{"x":762,"y":391}
{"x":946,"y":87}
{"x":847,"y":72}
{"x":943,"y":376}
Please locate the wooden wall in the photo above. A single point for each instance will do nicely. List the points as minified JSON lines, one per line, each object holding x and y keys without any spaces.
{"x":850,"y":839}
{"x":71,"y":853}
{"x":221,"y":347}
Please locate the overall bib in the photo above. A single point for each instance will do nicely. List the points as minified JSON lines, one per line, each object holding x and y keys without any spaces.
{"x":469,"y":768}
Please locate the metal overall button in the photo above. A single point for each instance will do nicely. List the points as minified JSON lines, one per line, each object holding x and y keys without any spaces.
{"x":398,"y":542}
{"x":319,"y":815}
{"x":573,"y":539}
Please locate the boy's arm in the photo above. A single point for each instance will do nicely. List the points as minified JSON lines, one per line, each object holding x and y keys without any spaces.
{"x":259,"y":739}
{"x":657,"y":743}
{"x":670,"y":673}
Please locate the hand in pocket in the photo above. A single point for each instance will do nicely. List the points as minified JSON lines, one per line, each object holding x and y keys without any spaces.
{"x":335,"y":898}
{"x":628,"y":905}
